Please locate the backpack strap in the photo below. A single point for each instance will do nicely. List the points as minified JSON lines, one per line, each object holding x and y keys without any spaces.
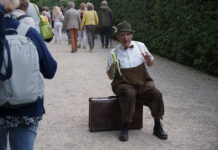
{"x":2,"y":22}
{"x":22,"y":16}
{"x":22,"y":29}
{"x":8,"y":71}
{"x":4,"y":45}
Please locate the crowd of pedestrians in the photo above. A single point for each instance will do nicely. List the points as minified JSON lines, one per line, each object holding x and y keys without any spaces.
{"x":80,"y":25}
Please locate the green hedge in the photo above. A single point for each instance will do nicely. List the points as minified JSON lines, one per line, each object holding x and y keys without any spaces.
{"x":187,"y":33}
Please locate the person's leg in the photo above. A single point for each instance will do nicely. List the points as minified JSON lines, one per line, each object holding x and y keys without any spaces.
{"x":89,"y":35}
{"x":56,"y":31}
{"x":72,"y":40}
{"x":93,"y":28}
{"x":102,"y":36}
{"x":75,"y":31}
{"x":79,"y":38}
{"x":127,"y":100}
{"x":153,"y":99}
{"x":3,"y":139}
{"x":68,"y":36}
{"x":84,"y":35}
{"x":107,"y":36}
{"x":60,"y":31}
{"x":23,"y":138}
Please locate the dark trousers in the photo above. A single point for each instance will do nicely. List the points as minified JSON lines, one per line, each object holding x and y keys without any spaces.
{"x":129,"y":96}
{"x":68,"y":35}
{"x":90,"y":29}
{"x":105,"y":35}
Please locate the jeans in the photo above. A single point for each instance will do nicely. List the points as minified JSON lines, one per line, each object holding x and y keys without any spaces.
{"x":91,"y":35}
{"x":58,"y":30}
{"x":68,"y":35}
{"x":20,"y":138}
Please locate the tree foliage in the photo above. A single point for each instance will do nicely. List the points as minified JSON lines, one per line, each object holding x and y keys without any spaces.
{"x":51,"y":3}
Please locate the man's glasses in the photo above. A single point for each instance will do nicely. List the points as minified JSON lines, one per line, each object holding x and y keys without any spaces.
{"x":127,"y":34}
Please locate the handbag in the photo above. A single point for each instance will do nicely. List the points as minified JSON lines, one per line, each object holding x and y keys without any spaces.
{"x":45,"y":28}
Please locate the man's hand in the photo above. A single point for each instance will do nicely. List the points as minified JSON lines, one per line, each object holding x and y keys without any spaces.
{"x":110,"y":72}
{"x":148,"y":58}
{"x":116,"y":66}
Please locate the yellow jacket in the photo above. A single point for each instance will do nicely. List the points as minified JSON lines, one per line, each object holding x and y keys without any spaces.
{"x":90,"y":17}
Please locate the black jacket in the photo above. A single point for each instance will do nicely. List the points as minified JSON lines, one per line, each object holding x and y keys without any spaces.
{"x":105,"y":17}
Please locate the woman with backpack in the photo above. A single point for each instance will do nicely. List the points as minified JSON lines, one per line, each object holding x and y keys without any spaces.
{"x":20,"y":123}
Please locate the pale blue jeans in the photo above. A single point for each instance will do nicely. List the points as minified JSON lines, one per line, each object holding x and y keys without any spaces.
{"x":20,"y":138}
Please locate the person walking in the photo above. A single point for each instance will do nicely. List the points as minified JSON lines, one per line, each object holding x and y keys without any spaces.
{"x":21,"y":13}
{"x":82,"y":33}
{"x":67,"y":31}
{"x":105,"y":23}
{"x":132,"y":84}
{"x":57,"y":17}
{"x":18,"y":126}
{"x":46,"y":12}
{"x":90,"y":20}
{"x":31,"y":11}
{"x":72,"y":22}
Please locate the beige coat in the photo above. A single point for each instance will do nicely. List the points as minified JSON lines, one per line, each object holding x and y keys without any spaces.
{"x":72,"y":19}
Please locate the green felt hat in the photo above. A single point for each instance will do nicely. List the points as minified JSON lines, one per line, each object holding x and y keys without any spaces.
{"x":124,"y":26}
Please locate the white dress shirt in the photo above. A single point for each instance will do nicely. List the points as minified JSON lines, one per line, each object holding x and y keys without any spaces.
{"x":130,"y":57}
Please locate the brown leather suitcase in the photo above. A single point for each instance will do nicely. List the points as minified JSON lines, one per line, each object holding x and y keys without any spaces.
{"x":104,"y":114}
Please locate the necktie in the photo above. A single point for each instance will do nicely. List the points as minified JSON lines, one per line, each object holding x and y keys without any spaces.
{"x":131,"y":46}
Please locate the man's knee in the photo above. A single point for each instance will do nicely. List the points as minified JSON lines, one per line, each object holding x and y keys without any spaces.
{"x":155,"y":94}
{"x":126,"y":92}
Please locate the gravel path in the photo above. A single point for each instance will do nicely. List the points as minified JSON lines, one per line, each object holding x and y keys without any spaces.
{"x":191,"y":105}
